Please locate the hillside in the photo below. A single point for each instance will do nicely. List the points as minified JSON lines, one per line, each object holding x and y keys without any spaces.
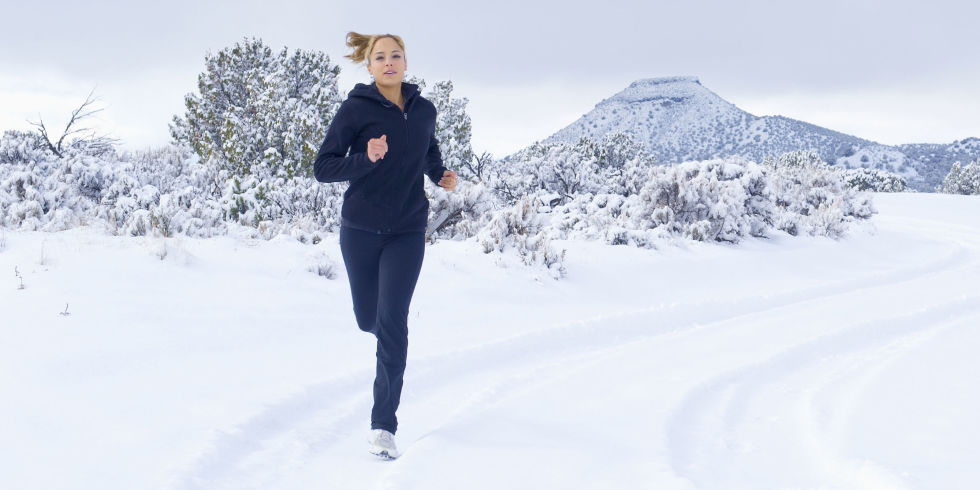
{"x":678,"y":119}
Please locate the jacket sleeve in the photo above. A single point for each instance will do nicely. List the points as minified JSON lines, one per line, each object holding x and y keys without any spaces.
{"x":333,"y":164}
{"x":433,"y":160}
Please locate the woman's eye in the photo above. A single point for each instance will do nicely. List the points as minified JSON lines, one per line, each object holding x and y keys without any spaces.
{"x":396,"y":56}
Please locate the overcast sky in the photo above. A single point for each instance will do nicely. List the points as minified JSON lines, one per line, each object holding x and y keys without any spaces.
{"x":893,"y":72}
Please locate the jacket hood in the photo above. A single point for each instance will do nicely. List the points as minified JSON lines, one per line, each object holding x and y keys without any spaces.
{"x":370,"y":91}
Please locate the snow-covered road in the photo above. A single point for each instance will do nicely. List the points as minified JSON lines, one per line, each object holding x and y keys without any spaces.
{"x":787,"y":363}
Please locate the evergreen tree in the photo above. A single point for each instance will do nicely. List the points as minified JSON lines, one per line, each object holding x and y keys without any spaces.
{"x":874,"y":180}
{"x":453,"y":129}
{"x":259,"y":112}
{"x":972,"y":174}
{"x":962,"y":180}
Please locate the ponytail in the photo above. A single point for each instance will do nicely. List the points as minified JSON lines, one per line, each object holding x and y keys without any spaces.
{"x":364,"y":43}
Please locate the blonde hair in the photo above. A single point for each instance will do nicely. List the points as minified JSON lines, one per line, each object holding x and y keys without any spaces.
{"x":364,"y":43}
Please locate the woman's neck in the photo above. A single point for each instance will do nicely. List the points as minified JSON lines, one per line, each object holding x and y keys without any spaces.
{"x":393,"y":94}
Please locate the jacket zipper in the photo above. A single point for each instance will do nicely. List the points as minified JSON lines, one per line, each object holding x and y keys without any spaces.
{"x":406,"y":124}
{"x":388,"y":216}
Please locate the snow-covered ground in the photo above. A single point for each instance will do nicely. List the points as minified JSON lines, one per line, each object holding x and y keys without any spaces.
{"x":782,"y":363}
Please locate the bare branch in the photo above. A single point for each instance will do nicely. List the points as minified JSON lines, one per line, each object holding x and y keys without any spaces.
{"x":93,"y":143}
{"x":44,"y":134}
{"x":77,"y":115}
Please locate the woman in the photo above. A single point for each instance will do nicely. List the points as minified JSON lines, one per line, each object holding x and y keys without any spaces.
{"x":389,"y":130}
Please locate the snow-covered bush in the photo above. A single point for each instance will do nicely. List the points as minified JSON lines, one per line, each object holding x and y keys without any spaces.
{"x":258,"y":112}
{"x":50,"y":195}
{"x":323,"y":265}
{"x":812,"y":197}
{"x":962,"y":180}
{"x":22,"y":147}
{"x":250,"y":201}
{"x":162,"y":191}
{"x":467,"y":209}
{"x":522,"y":227}
{"x":716,"y":200}
{"x":634,"y":202}
{"x":607,"y":217}
{"x":616,"y":164}
{"x":617,"y":196}
{"x":875,"y":180}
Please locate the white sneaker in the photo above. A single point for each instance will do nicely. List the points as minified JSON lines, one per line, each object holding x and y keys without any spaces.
{"x":382,"y":444}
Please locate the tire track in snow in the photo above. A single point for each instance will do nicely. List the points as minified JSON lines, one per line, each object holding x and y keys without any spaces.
{"x":824,"y":431}
{"x":338,"y":399}
{"x":711,"y":430}
{"x":308,"y":422}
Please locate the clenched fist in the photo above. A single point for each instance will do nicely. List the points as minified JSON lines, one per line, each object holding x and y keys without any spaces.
{"x":376,"y":148}
{"x":448,"y":180}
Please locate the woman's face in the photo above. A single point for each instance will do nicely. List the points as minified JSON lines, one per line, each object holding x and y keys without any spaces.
{"x":387,"y":63}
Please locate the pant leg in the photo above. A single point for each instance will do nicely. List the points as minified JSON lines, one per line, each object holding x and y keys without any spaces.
{"x":362,"y":252}
{"x":400,"y":264}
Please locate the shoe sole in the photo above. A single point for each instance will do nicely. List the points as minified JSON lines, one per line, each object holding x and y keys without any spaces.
{"x":383,"y":454}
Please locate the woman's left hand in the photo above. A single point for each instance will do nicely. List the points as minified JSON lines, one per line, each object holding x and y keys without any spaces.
{"x":448,"y":180}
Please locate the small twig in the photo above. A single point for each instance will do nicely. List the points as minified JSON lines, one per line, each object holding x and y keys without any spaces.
{"x":65,"y":313}
{"x":100,"y":142}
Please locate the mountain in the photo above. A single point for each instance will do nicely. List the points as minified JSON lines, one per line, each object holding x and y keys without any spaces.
{"x":678,"y":119}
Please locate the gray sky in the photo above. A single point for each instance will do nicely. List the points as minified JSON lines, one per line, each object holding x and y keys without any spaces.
{"x":894,"y":72}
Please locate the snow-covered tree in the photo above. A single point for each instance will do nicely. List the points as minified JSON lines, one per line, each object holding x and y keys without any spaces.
{"x":875,"y":180}
{"x":453,"y":129}
{"x":962,"y":180}
{"x":260,"y":112}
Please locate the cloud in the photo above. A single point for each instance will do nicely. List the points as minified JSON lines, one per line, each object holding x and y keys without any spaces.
{"x":892,"y":115}
{"x":528,"y":68}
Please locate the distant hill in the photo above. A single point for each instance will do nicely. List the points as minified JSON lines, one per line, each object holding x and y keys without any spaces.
{"x":678,"y":119}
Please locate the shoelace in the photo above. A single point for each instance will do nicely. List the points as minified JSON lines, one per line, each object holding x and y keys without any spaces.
{"x":385,"y":439}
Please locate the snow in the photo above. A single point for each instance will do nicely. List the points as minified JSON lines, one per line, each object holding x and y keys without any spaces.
{"x":790,"y":362}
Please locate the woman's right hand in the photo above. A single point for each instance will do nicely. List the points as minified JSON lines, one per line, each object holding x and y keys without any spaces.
{"x":376,"y":148}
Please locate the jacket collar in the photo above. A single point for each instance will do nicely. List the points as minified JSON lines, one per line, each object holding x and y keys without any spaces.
{"x":370,"y":91}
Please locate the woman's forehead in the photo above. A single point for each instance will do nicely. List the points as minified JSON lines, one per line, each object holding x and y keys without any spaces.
{"x":386,"y":44}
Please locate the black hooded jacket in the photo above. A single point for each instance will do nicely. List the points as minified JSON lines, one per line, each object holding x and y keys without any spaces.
{"x":386,"y":196}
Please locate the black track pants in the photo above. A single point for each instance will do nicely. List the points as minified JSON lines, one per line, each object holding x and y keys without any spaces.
{"x":383,"y":270}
